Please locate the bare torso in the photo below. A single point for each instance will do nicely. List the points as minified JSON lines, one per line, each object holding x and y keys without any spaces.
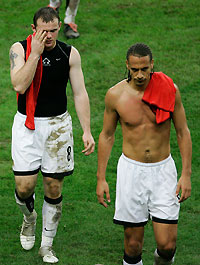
{"x":143,"y":139}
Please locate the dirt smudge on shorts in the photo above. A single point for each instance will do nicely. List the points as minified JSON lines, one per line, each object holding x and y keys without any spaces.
{"x":54,"y":142}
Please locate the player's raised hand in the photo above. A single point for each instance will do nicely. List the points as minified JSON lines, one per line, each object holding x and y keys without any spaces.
{"x":38,"y":42}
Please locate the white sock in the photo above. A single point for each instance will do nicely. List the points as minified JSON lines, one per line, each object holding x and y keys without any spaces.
{"x":51,"y":214}
{"x":55,"y":3}
{"x":71,"y":11}
{"x":46,"y":241}
{"x":139,"y":263}
{"x":160,"y":261}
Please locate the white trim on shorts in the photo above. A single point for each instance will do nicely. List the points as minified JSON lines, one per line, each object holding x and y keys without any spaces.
{"x":48,"y":148}
{"x":146,"y":190}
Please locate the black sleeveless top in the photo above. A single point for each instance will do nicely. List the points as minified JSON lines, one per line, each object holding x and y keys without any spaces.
{"x":52,"y":98}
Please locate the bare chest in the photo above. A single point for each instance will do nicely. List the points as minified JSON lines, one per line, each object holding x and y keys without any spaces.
{"x":134,"y":112}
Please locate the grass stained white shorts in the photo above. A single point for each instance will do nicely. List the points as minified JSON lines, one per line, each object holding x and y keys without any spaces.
{"x":146,"y":190}
{"x":48,"y":148}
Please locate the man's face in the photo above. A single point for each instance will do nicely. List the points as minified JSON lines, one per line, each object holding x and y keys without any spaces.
{"x":140,"y":69}
{"x":51,"y":28}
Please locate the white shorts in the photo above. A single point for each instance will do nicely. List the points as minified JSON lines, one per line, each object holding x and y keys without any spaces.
{"x":48,"y":148}
{"x":146,"y":190}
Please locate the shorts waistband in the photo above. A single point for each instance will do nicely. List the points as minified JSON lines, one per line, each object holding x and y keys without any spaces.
{"x":146,"y":164}
{"x":44,"y":118}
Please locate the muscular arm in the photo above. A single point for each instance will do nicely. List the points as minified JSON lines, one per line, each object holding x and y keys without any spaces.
{"x":22,"y":73}
{"x":81,"y":99}
{"x":185,"y":146}
{"x":106,"y":141}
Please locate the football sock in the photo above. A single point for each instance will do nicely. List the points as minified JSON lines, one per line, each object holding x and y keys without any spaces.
{"x":46,"y":241}
{"x":136,"y":260}
{"x":71,"y":11}
{"x":159,"y":260}
{"x":26,"y":205}
{"x":51,"y":213}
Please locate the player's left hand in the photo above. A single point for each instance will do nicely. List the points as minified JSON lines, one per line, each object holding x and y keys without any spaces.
{"x":89,"y":144}
{"x":184,"y":185}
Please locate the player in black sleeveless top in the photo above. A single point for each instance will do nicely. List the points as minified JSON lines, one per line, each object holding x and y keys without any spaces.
{"x":55,"y":75}
{"x":49,"y":147}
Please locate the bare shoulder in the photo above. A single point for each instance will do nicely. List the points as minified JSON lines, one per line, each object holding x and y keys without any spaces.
{"x":16,"y":51}
{"x":16,"y":48}
{"x":178,"y":96}
{"x":117,"y":89}
{"x":75,"y":57}
{"x":16,"y":56}
{"x":113,"y":94}
{"x":176,"y":87}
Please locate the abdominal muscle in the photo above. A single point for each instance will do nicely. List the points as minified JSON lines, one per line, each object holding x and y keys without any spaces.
{"x":146,"y":143}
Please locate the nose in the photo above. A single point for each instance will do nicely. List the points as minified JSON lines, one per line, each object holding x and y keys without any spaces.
{"x":48,"y":34}
{"x":139,"y":75}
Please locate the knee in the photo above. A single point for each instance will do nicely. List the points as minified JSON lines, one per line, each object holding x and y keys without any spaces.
{"x":52,"y":188}
{"x":133,"y":247}
{"x":24,"y":191}
{"x":133,"y":240}
{"x":25,"y":185}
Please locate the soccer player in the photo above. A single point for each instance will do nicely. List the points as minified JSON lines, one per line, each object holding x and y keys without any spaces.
{"x":70,"y":27}
{"x":42,"y":138}
{"x":145,"y":104}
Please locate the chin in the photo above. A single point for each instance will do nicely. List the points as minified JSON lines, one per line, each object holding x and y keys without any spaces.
{"x":49,"y":46}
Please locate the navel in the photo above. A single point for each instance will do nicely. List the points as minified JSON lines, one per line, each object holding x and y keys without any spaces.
{"x":148,"y":158}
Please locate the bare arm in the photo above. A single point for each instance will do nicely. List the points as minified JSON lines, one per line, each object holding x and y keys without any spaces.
{"x":21,"y":72}
{"x":185,"y":146}
{"x":106,"y":141}
{"x":81,"y":100}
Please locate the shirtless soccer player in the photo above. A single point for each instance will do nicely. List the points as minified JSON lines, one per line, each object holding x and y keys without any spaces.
{"x":145,"y":104}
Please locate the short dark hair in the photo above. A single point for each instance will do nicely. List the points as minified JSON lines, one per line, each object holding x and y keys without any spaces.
{"x":140,"y":50}
{"x":47,"y":14}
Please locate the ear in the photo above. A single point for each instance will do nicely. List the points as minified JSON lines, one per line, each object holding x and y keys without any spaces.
{"x":60,"y":23}
{"x":152,"y":63}
{"x":33,"y":27}
{"x":127,"y":64}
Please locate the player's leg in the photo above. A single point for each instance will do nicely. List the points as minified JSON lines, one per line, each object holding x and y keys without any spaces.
{"x":71,"y":11}
{"x":57,"y":162}
{"x":131,"y":208}
{"x":164,"y":210}
{"x":51,"y":213}
{"x":55,"y":4}
{"x":165,"y":235}
{"x":25,"y":196}
{"x":133,"y":242}
{"x":70,"y":28}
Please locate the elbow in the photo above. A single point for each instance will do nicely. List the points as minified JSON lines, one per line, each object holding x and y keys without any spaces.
{"x":109,"y":138}
{"x":184,"y":133}
{"x":18,"y":86}
{"x":19,"y":90}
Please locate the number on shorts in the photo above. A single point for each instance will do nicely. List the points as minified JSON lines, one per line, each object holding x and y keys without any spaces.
{"x":69,"y":149}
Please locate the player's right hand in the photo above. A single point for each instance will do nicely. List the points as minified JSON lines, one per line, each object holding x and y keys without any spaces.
{"x":38,"y":42}
{"x":103,"y":188}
